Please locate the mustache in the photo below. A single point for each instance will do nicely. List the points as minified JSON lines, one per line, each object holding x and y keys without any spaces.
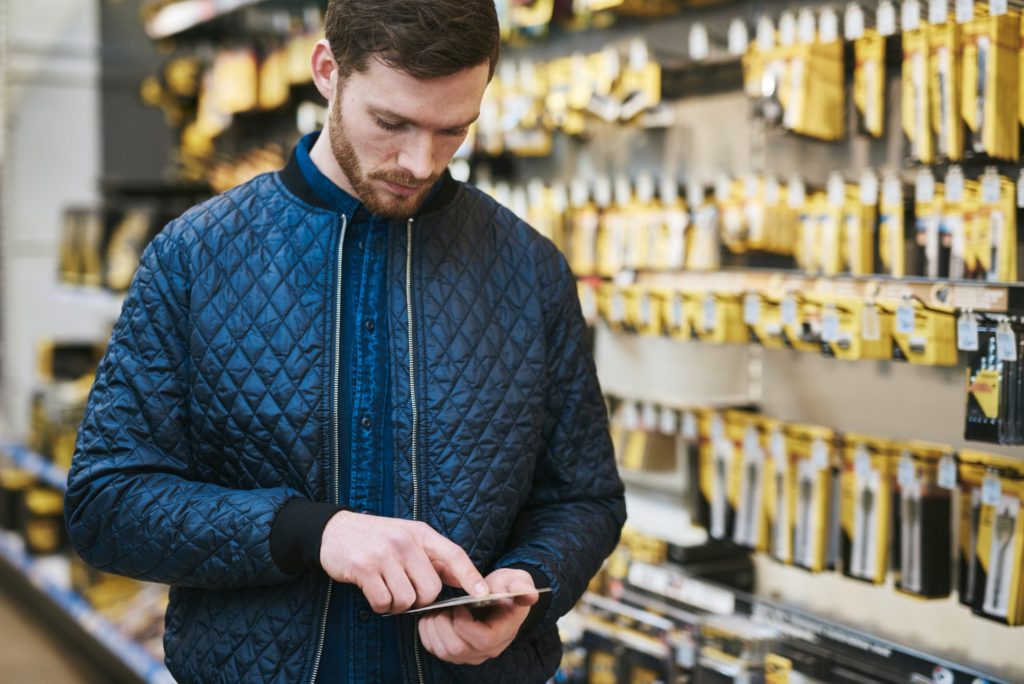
{"x":404,"y":178}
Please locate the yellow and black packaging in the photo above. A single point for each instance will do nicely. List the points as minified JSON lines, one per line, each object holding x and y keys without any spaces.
{"x":989,"y":103}
{"x":923,"y":333}
{"x":944,"y":96}
{"x":811,"y":483}
{"x":916,"y":100}
{"x":720,"y":470}
{"x":751,"y":529}
{"x":41,"y":521}
{"x":762,"y":314}
{"x":844,"y":330}
{"x":869,"y":82}
{"x":891,"y":229}
{"x":779,"y":491}
{"x":993,"y":244}
{"x":815,"y":103}
{"x":717,"y":317}
{"x":866,"y":486}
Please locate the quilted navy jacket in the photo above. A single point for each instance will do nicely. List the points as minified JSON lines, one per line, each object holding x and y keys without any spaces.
{"x":214,"y":407}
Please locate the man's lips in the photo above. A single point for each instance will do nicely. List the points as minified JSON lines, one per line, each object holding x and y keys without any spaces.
{"x":402,"y":190}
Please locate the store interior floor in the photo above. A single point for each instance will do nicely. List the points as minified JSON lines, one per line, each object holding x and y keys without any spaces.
{"x":30,"y":653}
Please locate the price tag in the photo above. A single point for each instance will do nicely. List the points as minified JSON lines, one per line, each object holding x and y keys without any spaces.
{"x":771,"y":191}
{"x":689,"y":428}
{"x":870,"y":325}
{"x":739,"y":38}
{"x":967,"y":332}
{"x":991,"y":490}
{"x":787,"y":28}
{"x":645,"y":309}
{"x":765,"y":31}
{"x":869,"y":190}
{"x":830,"y":324}
{"x":997,"y":8}
{"x":630,"y":417}
{"x":694,"y":194}
{"x":828,"y":26}
{"x":723,"y":188}
{"x":752,"y":443}
{"x":947,"y":473}
{"x":668,"y":422}
{"x":853,"y":22}
{"x":649,"y":416}
{"x":938,"y":11}
{"x":905,"y":319}
{"x":806,"y":27}
{"x":717,"y":429}
{"x":819,"y":454}
{"x":886,"y":18}
{"x":955,"y":184}
{"x":797,"y":193}
{"x":892,"y":191}
{"x":924,"y":190}
{"x":751,"y":309}
{"x":836,"y":190}
{"x":910,"y":15}
{"x":618,"y":307}
{"x":964,"y":11}
{"x":789,"y":312}
{"x":990,"y":188}
{"x":1020,"y":190}
{"x":862,"y":462}
{"x":710,"y":313}
{"x":677,"y":310}
{"x":588,"y":302}
{"x":1006,"y":342}
{"x":699,"y":43}
{"x":778,"y":448}
{"x":906,"y":473}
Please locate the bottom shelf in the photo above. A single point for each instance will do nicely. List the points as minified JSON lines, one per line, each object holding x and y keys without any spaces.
{"x":41,"y":582}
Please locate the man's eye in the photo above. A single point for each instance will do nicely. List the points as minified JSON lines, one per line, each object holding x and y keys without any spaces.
{"x":387,"y":126}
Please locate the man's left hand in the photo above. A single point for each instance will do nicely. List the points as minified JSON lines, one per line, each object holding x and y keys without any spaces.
{"x":460,"y":637}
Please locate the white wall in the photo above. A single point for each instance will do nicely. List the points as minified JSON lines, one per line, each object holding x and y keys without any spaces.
{"x":52,"y":161}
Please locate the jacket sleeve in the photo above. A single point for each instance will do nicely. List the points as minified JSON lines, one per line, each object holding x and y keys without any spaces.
{"x":572,"y":519}
{"x":133,"y":505}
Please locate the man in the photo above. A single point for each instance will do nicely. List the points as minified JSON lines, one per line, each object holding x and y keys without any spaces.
{"x":335,"y":388}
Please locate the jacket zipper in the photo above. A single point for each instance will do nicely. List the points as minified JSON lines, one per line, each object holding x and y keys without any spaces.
{"x":334,"y":436}
{"x":415,"y":426}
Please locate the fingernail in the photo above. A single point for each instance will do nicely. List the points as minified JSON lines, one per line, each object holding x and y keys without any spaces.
{"x":481,"y":588}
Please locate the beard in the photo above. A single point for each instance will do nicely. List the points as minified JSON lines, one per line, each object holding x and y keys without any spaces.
{"x":377,"y":199}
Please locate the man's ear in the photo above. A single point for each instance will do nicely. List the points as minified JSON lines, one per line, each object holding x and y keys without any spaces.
{"x":324,"y":69}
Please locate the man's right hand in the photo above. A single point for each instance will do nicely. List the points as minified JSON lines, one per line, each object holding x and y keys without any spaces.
{"x":396,"y":563}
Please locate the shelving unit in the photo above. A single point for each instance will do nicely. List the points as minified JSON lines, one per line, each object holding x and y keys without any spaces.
{"x":44,"y":581}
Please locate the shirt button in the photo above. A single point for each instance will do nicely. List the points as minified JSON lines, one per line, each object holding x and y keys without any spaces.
{"x":366,"y":422}
{"x":370,"y":326}
{"x":364,"y":615}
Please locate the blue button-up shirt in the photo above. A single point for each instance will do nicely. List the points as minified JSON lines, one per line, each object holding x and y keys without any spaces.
{"x":360,"y":645}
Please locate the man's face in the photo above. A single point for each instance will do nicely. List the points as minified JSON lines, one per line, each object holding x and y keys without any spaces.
{"x":393,"y":135}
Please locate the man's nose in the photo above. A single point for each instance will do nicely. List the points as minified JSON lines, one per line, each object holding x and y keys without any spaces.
{"x":418,"y":157}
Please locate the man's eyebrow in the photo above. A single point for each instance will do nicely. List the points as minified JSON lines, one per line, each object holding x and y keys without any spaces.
{"x":399,"y":119}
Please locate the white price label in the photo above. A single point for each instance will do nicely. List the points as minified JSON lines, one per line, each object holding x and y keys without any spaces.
{"x":723,"y":188}
{"x":694,"y":195}
{"x":947,"y":473}
{"x":797,"y":193}
{"x":991,"y":490}
{"x":752,"y":443}
{"x":618,"y":308}
{"x":630,"y":417}
{"x":955,"y":184}
{"x":964,"y":11}
{"x":751,"y":309}
{"x":778,"y":447}
{"x":910,"y":15}
{"x":869,"y":190}
{"x":853,"y":22}
{"x":906,"y":473}
{"x":1020,"y":190}
{"x":886,"y":18}
{"x":764,"y":34}
{"x":998,"y":8}
{"x":830,"y":325}
{"x":739,"y":37}
{"x":828,"y":26}
{"x":870,"y":325}
{"x":710,"y":313}
{"x":990,"y":188}
{"x":677,"y":311}
{"x":649,"y":416}
{"x":1006,"y":343}
{"x":892,"y":191}
{"x":819,"y":454}
{"x":967,"y":332}
{"x":836,"y":190}
{"x":645,"y":309}
{"x":924,"y":190}
{"x":938,"y":11}
{"x":668,"y":422}
{"x":717,"y":429}
{"x":862,"y":462}
{"x":806,"y":27}
{"x":699,"y":43}
{"x":789,"y":313}
{"x":771,"y":191}
{"x":689,"y":428}
{"x":905,"y":319}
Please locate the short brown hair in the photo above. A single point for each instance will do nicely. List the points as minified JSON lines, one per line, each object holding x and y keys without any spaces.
{"x":424,"y":38}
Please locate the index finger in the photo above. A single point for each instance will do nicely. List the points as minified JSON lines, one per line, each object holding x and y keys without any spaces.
{"x":454,"y":565}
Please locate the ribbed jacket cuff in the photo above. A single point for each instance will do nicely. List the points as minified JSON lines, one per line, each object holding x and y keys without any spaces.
{"x":540,"y":608}
{"x":296,"y":533}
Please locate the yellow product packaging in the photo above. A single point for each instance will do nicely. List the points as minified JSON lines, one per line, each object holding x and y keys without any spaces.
{"x":612,"y":305}
{"x":584,"y":221}
{"x":718,"y":317}
{"x":811,"y":483}
{"x":640,"y":445}
{"x":915,"y":95}
{"x":777,"y":669}
{"x":944,"y":68}
{"x":891,"y":228}
{"x":753,"y":63}
{"x":703,"y":253}
{"x":866,"y":486}
{"x":995,"y":230}
{"x":923,"y":333}
{"x":809,"y":233}
{"x":923,"y":518}
{"x":990,"y":99}
{"x":644,"y":310}
{"x":830,"y":230}
{"x":750,"y":529}
{"x":801,"y":322}
{"x":273,"y":80}
{"x":815,"y":97}
{"x":734,"y":229}
{"x":852,"y":329}
{"x":670,"y":252}
{"x":869,"y":82}
{"x":779,"y":491}
{"x":929,"y":209}
{"x":587,"y":290}
{"x":719,"y":468}
{"x":762,"y":314}
{"x":639,"y":89}
{"x":953,"y":231}
{"x":858,"y":233}
{"x":611,"y":236}
{"x":675,"y":315}
{"x":992,"y":495}
{"x":638,"y":210}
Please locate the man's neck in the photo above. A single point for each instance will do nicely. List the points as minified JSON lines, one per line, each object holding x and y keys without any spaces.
{"x":323,"y":159}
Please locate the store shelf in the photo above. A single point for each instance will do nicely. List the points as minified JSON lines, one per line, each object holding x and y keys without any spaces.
{"x":39,"y":575}
{"x":181,"y":16}
{"x":103,"y":302}
{"x":670,"y":583}
{"x":28,"y":460}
